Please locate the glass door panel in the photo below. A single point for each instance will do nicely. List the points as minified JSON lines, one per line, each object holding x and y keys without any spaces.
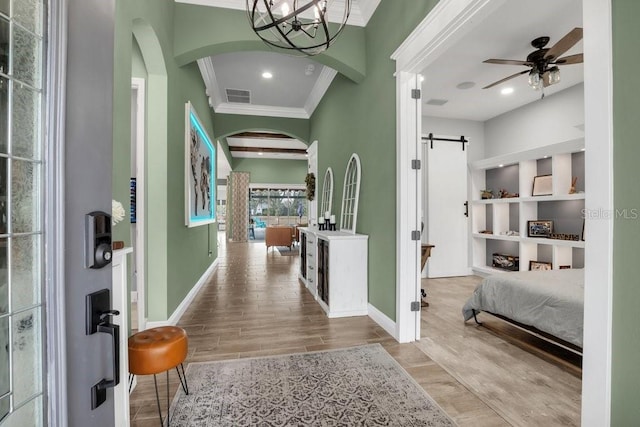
{"x":22,"y":374}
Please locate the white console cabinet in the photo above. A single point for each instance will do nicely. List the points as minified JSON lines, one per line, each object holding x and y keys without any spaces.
{"x":333,"y":267}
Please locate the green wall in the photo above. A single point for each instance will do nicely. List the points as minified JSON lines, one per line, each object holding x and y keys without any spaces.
{"x":229,"y":124}
{"x":625,"y":389}
{"x":273,"y":171}
{"x":361,"y":118}
{"x":177,"y":255}
{"x":205,"y":31}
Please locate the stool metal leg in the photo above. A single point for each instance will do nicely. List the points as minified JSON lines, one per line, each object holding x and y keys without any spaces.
{"x":183,"y":379}
{"x":131,"y":378}
{"x":155,"y":383}
{"x":168,"y":407}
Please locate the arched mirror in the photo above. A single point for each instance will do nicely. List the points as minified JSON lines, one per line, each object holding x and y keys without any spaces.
{"x":350,"y":194}
{"x":327,"y":192}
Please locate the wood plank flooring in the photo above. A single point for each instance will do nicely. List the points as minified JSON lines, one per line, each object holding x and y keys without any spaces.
{"x":253,"y":305}
{"x":523,"y":388}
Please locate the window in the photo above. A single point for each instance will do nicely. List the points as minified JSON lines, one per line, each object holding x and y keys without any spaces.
{"x":349,"y":213}
{"x":277,"y":206}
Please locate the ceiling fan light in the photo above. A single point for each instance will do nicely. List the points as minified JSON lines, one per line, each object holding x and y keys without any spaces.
{"x":554,"y":75}
{"x":534,"y":80}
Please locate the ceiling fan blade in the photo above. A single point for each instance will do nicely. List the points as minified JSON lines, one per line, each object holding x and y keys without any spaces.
{"x":564,"y":44}
{"x":571,"y":59}
{"x":506,"y":78}
{"x":507,"y":62}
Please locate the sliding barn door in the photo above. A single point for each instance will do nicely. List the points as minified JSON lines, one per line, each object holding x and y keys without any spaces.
{"x":445,"y":195}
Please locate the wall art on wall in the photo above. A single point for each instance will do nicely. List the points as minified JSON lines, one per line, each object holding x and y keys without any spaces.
{"x":200,"y":172}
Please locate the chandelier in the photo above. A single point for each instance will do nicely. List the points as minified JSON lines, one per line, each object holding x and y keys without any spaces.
{"x":300,"y":25}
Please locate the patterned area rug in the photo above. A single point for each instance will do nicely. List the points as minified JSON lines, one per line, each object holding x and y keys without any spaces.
{"x":359,"y":386}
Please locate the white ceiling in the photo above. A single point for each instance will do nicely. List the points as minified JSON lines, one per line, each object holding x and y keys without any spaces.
{"x":506,"y":34}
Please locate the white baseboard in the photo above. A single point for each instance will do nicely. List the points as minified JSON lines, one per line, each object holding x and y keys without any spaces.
{"x":179,"y":311}
{"x":385,"y":322}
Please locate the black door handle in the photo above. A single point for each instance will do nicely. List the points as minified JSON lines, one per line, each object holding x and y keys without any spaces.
{"x":466,"y":209}
{"x":114,"y":331}
{"x":99,"y":390}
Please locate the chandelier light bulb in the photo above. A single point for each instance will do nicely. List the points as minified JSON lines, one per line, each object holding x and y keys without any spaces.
{"x":534,"y":80}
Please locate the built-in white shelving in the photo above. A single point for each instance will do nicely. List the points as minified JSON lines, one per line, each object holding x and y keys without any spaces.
{"x":517,"y":171}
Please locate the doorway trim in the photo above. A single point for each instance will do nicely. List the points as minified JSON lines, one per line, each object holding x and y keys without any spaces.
{"x":54,"y":187}
{"x":444,"y":26}
{"x":138,"y":87}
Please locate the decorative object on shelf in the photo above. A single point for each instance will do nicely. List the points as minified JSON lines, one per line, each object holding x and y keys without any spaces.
{"x":504,"y":194}
{"x":486,"y":194}
{"x":572,"y":189}
{"x":539,"y":228}
{"x":510,"y":233}
{"x":540,"y":265}
{"x":486,"y":232}
{"x":506,"y":262}
{"x":301,"y":25}
{"x":117,"y":212}
{"x":350,"y":195}
{"x":310,"y":180}
{"x":332,"y":223}
{"x":200,"y":172}
{"x":564,"y":236}
{"x":542,"y":185}
{"x":564,"y":267}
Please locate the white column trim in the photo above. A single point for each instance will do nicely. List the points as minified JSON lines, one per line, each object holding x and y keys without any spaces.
{"x":55,"y":108}
{"x":408,"y":112}
{"x":598,"y":286}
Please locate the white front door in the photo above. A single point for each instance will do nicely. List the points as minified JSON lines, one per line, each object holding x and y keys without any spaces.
{"x":444,"y":198}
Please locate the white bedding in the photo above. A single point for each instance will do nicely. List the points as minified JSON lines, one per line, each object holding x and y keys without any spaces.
{"x":551,"y":301}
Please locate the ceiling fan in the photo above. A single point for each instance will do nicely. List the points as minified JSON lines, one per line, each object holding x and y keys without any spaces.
{"x":543,"y":63}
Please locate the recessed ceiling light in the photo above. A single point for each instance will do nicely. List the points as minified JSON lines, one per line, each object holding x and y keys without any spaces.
{"x":466,"y":85}
{"x":259,"y":153}
{"x":267,"y":75}
{"x":507,"y":91}
{"x":582,"y":149}
{"x":421,"y":78}
{"x":500,"y":166}
{"x":545,"y":157}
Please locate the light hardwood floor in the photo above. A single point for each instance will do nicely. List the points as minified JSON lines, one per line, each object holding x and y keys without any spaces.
{"x":253,"y":305}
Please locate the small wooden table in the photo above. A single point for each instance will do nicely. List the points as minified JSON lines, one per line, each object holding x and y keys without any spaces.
{"x":425,"y":254}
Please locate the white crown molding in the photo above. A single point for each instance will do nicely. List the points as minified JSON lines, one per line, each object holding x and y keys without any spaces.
{"x":261,"y":110}
{"x":361,"y":10}
{"x":319,"y":89}
{"x":209,"y":76}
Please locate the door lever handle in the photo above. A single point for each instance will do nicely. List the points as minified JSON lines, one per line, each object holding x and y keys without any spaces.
{"x":466,"y":208}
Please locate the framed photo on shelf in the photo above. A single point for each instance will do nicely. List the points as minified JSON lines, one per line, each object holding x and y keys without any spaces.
{"x":539,"y":228}
{"x":540,"y":265}
{"x":542,"y":185}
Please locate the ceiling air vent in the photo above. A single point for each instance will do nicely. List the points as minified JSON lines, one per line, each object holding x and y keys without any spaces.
{"x":437,"y":102}
{"x":239,"y":96}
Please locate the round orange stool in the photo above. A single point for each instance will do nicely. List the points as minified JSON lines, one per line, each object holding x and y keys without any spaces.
{"x":158,"y":350}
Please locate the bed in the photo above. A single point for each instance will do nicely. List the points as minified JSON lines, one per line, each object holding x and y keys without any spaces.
{"x":549,"y":301}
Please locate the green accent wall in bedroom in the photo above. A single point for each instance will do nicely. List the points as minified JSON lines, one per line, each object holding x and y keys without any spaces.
{"x":273,"y":171}
{"x":361,"y":118}
{"x":625,"y":392}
